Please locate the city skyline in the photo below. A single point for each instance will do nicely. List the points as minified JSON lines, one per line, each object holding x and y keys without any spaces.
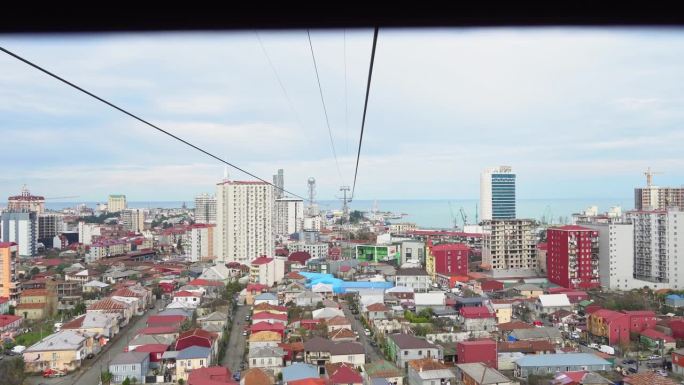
{"x":577,"y":113}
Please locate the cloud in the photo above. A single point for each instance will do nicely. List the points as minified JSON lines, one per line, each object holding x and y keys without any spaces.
{"x":196,"y":104}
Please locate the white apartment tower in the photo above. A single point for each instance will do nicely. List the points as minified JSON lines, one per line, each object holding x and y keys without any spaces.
{"x":497,"y":193}
{"x":205,"y":209}
{"x":509,"y":247}
{"x":22,"y":229}
{"x":658,"y":247}
{"x":289,"y":216}
{"x":616,"y":251}
{"x":244,"y":221}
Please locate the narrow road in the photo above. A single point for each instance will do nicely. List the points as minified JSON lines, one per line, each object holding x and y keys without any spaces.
{"x":89,"y":373}
{"x":236,"y":341}
{"x":371,"y":352}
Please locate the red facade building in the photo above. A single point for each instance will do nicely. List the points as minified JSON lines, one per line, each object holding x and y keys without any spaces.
{"x":450,"y":258}
{"x":477,"y":351}
{"x":572,"y":257}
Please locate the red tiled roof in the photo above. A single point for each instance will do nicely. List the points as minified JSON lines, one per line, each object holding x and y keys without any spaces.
{"x":126,"y":292}
{"x":337,"y":321}
{"x":205,"y":282}
{"x":35,"y":293}
{"x":267,"y":315}
{"x":107,"y":304}
{"x":159,"y":330}
{"x":256,"y":376}
{"x":31,"y":305}
{"x":213,"y":375}
{"x":475,"y":312}
{"x":294,"y":275}
{"x":74,"y":323}
{"x":656,"y":335}
{"x":165,"y":319}
{"x":261,"y":261}
{"x":377,"y":307}
{"x":299,"y":256}
{"x":199,"y":333}
{"x":343,"y":373}
{"x":185,"y":293}
{"x":309,"y":381}
{"x":265,"y":326}
{"x":152,"y":348}
{"x":4,"y":245}
{"x":7,"y":319}
{"x":507,"y":326}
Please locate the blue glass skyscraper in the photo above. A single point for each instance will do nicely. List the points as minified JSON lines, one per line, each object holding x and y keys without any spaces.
{"x":497,"y":193}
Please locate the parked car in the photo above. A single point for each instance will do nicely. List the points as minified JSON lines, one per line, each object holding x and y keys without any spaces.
{"x":18,"y":349}
{"x":629,"y":362}
{"x":50,"y":373}
{"x":661,"y":372}
{"x":236,"y":376}
{"x":632,"y":369}
{"x":244,"y":333}
{"x":593,"y":345}
{"x":654,"y":357}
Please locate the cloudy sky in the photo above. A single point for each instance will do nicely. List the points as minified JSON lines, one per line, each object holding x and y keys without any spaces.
{"x":578,"y":113}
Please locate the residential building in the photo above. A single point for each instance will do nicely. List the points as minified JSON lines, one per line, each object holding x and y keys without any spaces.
{"x":25,"y":202}
{"x":9,"y":325}
{"x":50,"y":225}
{"x":279,"y":183}
{"x":544,"y":333}
{"x":191,"y":358}
{"x":572,"y":257}
{"x":266,"y":271}
{"x":509,"y":247}
{"x":383,"y":370}
{"x":429,"y":371}
{"x":347,"y":351}
{"x":214,"y":375}
{"x":202,"y":242}
{"x":484,"y":350}
{"x":478,"y":373}
{"x":299,"y":371}
{"x":116,"y":203}
{"x":268,"y":298}
{"x":64,"y":350}
{"x":404,"y":348}
{"x":268,"y":358}
{"x":101,"y":324}
{"x":289,"y":216}
{"x":477,"y":318}
{"x":134,"y":219}
{"x":402,"y":228}
{"x":9,"y":252}
{"x":528,"y":290}
{"x":655,"y":339}
{"x":647,"y":378}
{"x":414,"y":278}
{"x":611,"y":325}
{"x":544,"y":364}
{"x":205,"y":209}
{"x":503,"y":310}
{"x":616,"y":253}
{"x":376,"y":311}
{"x":655,"y":247}
{"x":20,"y":228}
{"x":412,"y":251}
{"x":550,"y":303}
{"x":244,"y":221}
{"x":658,"y":198}
{"x":316,"y":250}
{"x":131,"y":365}
{"x":37,"y":304}
{"x":343,"y":373}
{"x":265,"y":338}
{"x":450,"y":259}
{"x":497,"y":193}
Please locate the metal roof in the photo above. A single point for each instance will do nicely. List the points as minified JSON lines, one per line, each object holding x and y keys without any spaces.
{"x":483,"y":373}
{"x":567,"y":359}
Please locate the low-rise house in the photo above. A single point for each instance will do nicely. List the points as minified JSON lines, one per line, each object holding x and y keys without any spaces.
{"x":94,"y":286}
{"x":191,"y":358}
{"x":99,"y":324}
{"x":217,"y":319}
{"x":164,"y":331}
{"x":169,"y":320}
{"x":270,"y":318}
{"x":218,"y":272}
{"x":404,"y":348}
{"x":155,"y":351}
{"x":653,"y":338}
{"x":477,"y":373}
{"x":480,"y":318}
{"x":387,"y":326}
{"x":503,"y":310}
{"x":561,"y":318}
{"x":9,"y":325}
{"x":268,"y":298}
{"x":648,"y":378}
{"x":148,"y":339}
{"x":317,"y":351}
{"x":414,"y":278}
{"x":343,"y":374}
{"x":141,"y":296}
{"x":212,"y":288}
{"x":268,"y":358}
{"x":580,"y":378}
{"x":36,"y":304}
{"x":376,"y":311}
{"x":269,"y":308}
{"x":351,"y":352}
{"x":267,"y":338}
{"x":544,"y":333}
{"x":484,"y":350}
{"x":403,"y":293}
{"x":526,"y":347}
{"x":551,"y":363}
{"x":187,"y":298}
{"x":506,"y":328}
{"x":198,"y":337}
{"x":337,"y":323}
{"x":326,"y":313}
{"x":299,"y":371}
{"x":383,"y":370}
{"x":291,"y":291}
{"x":108,"y":305}
{"x":64,"y":350}
{"x":268,"y":327}
{"x":528,"y":290}
{"x":341,"y":335}
{"x":213,"y":375}
{"x":428,"y":371}
{"x":131,"y":365}
{"x":550,"y":303}
{"x":610,"y":325}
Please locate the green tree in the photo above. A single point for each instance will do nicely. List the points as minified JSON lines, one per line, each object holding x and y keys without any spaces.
{"x":106,"y":377}
{"x":12,"y":371}
{"x":181,"y":382}
{"x":126,"y":381}
{"x":35,"y":271}
{"x":80,"y":308}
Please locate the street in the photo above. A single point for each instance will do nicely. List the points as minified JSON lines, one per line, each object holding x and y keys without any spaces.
{"x":89,"y":373}
{"x":371,"y":352}
{"x":236,"y":342}
{"x":643,"y":364}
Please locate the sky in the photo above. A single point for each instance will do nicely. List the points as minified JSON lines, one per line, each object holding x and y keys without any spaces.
{"x":577,"y":113}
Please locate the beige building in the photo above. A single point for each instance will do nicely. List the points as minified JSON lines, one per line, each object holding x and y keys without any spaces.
{"x":509,"y":248}
{"x":64,"y":350}
{"x":116,"y":203}
{"x":8,"y":280}
{"x":36,"y":304}
{"x":134,"y":219}
{"x":244,"y":221}
{"x":191,"y":358}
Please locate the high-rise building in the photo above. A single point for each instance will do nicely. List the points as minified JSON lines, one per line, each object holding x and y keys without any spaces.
{"x":205,"y":208}
{"x":497,"y":193}
{"x":134,"y":219}
{"x":26,"y":202}
{"x":22,"y":229}
{"x":8,"y":280}
{"x":244,"y":221}
{"x":616,"y":251}
{"x":202,"y":242}
{"x":289,"y":216}
{"x":279,"y":182}
{"x":448,"y":259}
{"x":50,"y":224}
{"x":509,"y":247}
{"x":572,"y":257}
{"x":658,"y":247}
{"x":116,"y":203}
{"x":658,"y":198}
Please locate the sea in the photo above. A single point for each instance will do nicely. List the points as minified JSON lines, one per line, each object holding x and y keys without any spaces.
{"x":432,"y":213}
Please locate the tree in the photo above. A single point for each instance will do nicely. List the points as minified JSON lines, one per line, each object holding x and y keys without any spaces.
{"x":35,"y":271}
{"x":106,"y":377}
{"x":12,"y":371}
{"x":126,"y":381}
{"x":80,"y":308}
{"x":181,"y":382}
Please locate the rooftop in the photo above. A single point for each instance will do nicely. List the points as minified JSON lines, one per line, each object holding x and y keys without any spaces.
{"x":567,"y":359}
{"x":482,"y":373}
{"x":127,"y":358}
{"x":407,"y":341}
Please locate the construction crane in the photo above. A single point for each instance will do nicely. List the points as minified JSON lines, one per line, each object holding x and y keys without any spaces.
{"x":68,"y":197}
{"x":649,"y":176}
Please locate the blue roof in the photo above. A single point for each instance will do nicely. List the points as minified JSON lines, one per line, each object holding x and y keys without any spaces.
{"x":193,"y":352}
{"x":567,"y":359}
{"x":674,"y":296}
{"x":341,"y":286}
{"x":266,"y":296}
{"x":298,"y":371}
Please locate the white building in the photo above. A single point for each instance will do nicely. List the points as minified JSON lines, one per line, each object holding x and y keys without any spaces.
{"x":134,"y":219}
{"x":497,"y":193}
{"x":244,"y":221}
{"x":658,"y":247}
{"x":22,"y":229}
{"x":616,"y":253}
{"x":509,"y":248}
{"x":116,"y":203}
{"x":205,"y":208}
{"x":267,"y":271}
{"x":289,"y":216}
{"x":86,"y":232}
{"x":202,"y":242}
{"x":317,"y":250}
